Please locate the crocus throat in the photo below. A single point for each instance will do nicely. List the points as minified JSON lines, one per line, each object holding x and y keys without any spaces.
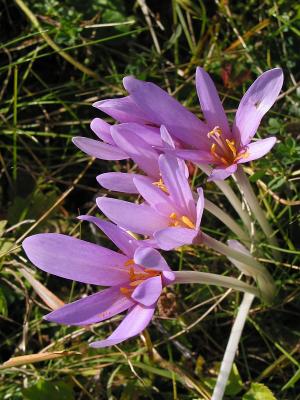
{"x":224,"y":151}
{"x":136,"y":278}
{"x":182,"y":221}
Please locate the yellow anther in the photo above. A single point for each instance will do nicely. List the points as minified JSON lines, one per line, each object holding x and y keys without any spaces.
{"x":173,"y":215}
{"x":160,"y":184}
{"x":131,"y":274}
{"x":242,"y":155}
{"x":217,"y":131}
{"x":187,"y":222}
{"x":129,"y":262}
{"x":231,"y":145}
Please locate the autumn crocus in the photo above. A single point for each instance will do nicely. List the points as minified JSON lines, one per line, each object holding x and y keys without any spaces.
{"x":136,"y":278}
{"x":169,"y":214}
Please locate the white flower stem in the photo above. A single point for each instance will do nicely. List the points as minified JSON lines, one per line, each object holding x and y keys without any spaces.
{"x":249,"y":195}
{"x":214,"y":279}
{"x":231,"y":196}
{"x":228,"y":221}
{"x":232,"y":346}
{"x":259,"y":272}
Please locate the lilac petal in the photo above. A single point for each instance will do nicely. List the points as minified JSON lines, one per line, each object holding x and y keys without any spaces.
{"x":97,"y":149}
{"x":177,"y":185}
{"x":171,"y":238}
{"x":140,"y":151}
{"x":125,"y":242}
{"x":148,"y":134}
{"x":219,"y":174}
{"x":166,"y":138}
{"x":102,"y":130}
{"x":258,"y":99}
{"x":118,"y":182}
{"x":92,"y":309}
{"x":150,"y":258}
{"x":211,"y":105}
{"x":123,"y":109}
{"x":137,"y":218}
{"x":196,"y":156}
{"x":258,"y":149}
{"x":154,"y":196}
{"x":148,"y":292}
{"x":76,"y":259}
{"x":162,"y":109}
{"x":134,"y":323}
{"x":200,"y":207}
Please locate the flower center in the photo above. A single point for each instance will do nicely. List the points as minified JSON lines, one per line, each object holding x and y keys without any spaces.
{"x":224,"y":151}
{"x":183,"y":221}
{"x":136,"y":278}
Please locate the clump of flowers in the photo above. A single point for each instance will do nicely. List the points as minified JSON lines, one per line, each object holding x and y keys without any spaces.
{"x":158,"y":134}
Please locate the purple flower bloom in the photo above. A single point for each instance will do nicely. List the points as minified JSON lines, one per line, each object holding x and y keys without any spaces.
{"x":136,"y":278}
{"x":214,"y":142}
{"x":169,"y":215}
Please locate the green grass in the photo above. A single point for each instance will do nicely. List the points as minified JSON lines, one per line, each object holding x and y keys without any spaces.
{"x":46,"y":182}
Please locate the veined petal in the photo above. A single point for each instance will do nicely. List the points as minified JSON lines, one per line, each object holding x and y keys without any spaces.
{"x":149,"y":134}
{"x":118,"y":182}
{"x":103,"y":151}
{"x":102,"y":130}
{"x":76,"y":259}
{"x":177,"y":184}
{"x":140,"y":151}
{"x":138,"y":218}
{"x":150,"y":258}
{"x":123,"y":109}
{"x":125,"y":242}
{"x":134,"y":323}
{"x":167,"y":140}
{"x":219,"y":174}
{"x":91,"y":309}
{"x":162,"y":109}
{"x":200,"y":207}
{"x":148,"y":292}
{"x":258,"y":149}
{"x":258,"y":99}
{"x":171,"y":238}
{"x":154,"y":196}
{"x":196,"y":156}
{"x":211,"y":105}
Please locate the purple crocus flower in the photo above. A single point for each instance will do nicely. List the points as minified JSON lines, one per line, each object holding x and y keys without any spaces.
{"x":169,"y":215}
{"x":136,"y":278}
{"x":213,"y":142}
{"x":229,"y":147}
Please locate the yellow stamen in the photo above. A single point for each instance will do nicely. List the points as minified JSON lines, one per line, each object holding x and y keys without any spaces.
{"x":231,"y":145}
{"x":160,"y":184}
{"x":216,"y":156}
{"x":126,"y":291}
{"x":136,"y":283}
{"x":129,"y":262}
{"x":187,"y":222}
{"x":173,"y":215}
{"x":242,"y":155}
{"x":217,"y":131}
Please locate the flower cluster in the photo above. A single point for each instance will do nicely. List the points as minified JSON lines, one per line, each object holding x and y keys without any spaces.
{"x":158,"y":134}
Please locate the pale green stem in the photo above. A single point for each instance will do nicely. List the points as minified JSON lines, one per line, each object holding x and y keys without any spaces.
{"x":258,"y":271}
{"x":232,"y":346}
{"x":214,"y":279}
{"x":228,"y":221}
{"x":249,"y":195}
{"x":231,"y":196}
